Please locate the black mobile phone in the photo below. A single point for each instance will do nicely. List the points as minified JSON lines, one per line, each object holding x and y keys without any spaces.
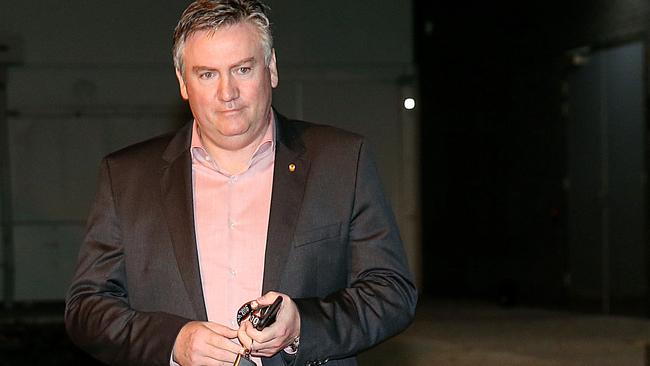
{"x":265,"y":316}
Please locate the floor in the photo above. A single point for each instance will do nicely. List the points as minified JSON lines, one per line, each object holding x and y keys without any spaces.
{"x":463,"y":334}
{"x":448,"y":333}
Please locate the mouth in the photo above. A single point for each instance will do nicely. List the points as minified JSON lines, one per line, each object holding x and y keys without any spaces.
{"x":228,"y":112}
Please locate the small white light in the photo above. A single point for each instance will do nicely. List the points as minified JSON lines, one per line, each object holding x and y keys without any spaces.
{"x":409,"y":103}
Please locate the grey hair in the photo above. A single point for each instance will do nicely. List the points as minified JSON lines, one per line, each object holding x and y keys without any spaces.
{"x":211,"y":15}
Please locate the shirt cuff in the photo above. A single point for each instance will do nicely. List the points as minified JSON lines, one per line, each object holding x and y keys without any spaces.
{"x":292,"y":349}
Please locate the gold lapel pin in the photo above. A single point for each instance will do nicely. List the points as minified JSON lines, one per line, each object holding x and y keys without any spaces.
{"x":292,"y":167}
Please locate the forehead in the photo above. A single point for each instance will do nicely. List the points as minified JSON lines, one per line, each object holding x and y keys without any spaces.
{"x":226,"y":44}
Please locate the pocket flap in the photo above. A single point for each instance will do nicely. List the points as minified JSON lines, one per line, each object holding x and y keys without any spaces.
{"x":317,"y":235}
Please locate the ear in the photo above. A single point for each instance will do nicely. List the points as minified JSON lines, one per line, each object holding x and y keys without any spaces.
{"x":181,"y":84}
{"x":273,"y":70}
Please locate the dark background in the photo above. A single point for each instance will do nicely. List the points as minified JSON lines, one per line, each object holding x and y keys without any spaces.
{"x":491,"y":79}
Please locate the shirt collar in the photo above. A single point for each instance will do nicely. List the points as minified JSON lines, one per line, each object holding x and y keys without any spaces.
{"x":200,"y":154}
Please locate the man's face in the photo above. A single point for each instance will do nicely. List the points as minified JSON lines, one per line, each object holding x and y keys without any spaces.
{"x":228,"y":85}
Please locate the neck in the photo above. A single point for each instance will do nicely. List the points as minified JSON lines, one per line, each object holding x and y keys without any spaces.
{"x":233,"y":162}
{"x":232,"y":159}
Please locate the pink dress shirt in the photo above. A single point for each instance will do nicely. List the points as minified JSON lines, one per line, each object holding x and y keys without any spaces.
{"x":231,"y":214}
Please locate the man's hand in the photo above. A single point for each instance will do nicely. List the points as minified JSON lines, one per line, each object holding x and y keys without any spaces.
{"x":205,"y":343}
{"x":276,"y":336}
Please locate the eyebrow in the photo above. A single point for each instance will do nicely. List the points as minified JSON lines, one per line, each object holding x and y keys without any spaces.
{"x":236,"y":64}
{"x":246,"y":60}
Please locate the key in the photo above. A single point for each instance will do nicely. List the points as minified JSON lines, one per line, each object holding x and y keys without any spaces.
{"x":244,"y":359}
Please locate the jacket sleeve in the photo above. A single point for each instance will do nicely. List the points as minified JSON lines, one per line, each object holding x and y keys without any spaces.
{"x":380,"y":298}
{"x":98,"y":316}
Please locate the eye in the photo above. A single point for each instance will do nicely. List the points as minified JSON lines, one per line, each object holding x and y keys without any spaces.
{"x":206,"y":75}
{"x":244,"y":70}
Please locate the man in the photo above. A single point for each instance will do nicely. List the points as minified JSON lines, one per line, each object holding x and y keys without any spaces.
{"x":241,"y":204}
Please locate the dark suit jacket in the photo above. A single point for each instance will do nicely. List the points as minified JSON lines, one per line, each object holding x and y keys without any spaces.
{"x":333,"y":246}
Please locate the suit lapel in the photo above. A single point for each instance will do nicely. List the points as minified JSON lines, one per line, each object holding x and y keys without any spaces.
{"x":290,"y":173}
{"x":176,"y":190}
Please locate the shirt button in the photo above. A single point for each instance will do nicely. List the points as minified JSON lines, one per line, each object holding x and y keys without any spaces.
{"x":233,"y":272}
{"x":231,"y":224}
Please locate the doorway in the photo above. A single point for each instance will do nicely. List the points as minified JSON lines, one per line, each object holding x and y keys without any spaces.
{"x":606,"y":180}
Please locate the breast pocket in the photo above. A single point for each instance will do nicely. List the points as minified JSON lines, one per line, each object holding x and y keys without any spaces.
{"x":317,"y":235}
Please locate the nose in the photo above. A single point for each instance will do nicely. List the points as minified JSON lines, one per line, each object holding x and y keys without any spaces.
{"x":228,"y":90}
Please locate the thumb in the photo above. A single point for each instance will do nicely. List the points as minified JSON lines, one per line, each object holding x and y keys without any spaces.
{"x":267,"y":299}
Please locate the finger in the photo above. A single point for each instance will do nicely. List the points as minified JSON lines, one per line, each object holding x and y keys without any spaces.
{"x":222,"y":330}
{"x":221,"y":351}
{"x":220,"y":344}
{"x":244,"y":338}
{"x":261,"y":344}
{"x":219,"y":347}
{"x":218,"y":357}
{"x":199,"y":343}
{"x":268,"y":298}
{"x":265,"y":343}
{"x":248,"y":335}
{"x":262,"y":336}
{"x":266,"y":350}
{"x":270,"y":347}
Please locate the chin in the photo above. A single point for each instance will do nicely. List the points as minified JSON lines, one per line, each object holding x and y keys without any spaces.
{"x":236,"y":128}
{"x":232,"y":126}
